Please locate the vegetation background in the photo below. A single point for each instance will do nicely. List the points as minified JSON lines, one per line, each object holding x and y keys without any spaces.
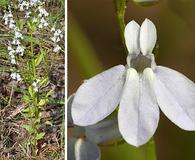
{"x":95,"y":44}
{"x":14,"y":138}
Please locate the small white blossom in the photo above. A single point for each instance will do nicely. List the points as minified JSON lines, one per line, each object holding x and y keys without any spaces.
{"x":53,"y":29}
{"x":18,"y":34}
{"x":57,"y":48}
{"x":34,"y":20}
{"x":34,"y":2}
{"x":20,"y":49}
{"x":27,"y":14}
{"x":35,"y":85}
{"x":8,"y":18}
{"x":9,"y":48}
{"x":11,"y":52}
{"x":13,"y":61}
{"x":16,"y":42}
{"x":57,"y":35}
{"x":42,"y":12}
{"x":139,"y":88}
{"x":24,"y":5}
{"x":43,"y":23}
{"x":16,"y":76}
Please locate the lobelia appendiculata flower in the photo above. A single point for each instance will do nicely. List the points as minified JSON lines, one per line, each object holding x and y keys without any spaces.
{"x":140,"y":88}
{"x":87,"y":147}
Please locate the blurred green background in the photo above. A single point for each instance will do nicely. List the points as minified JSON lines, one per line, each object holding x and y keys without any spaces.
{"x":94,"y":44}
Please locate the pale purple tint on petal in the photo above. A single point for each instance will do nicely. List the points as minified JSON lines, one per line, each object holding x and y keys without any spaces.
{"x":98,"y":97}
{"x":138,"y":111}
{"x":86,"y":150}
{"x":103,"y":131}
{"x":176,"y":97}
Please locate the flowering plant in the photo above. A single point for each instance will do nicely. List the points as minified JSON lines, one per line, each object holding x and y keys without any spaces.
{"x":34,"y":44}
{"x":140,"y":88}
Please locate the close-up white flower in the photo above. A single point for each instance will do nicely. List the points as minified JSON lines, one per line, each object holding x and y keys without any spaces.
{"x":140,"y":88}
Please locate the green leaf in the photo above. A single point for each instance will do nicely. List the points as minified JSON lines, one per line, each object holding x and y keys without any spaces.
{"x":26,"y":98}
{"x":38,"y":120}
{"x":31,"y":25}
{"x":31,"y":91}
{"x":38,"y":126}
{"x":42,"y":102}
{"x":20,"y":24}
{"x":26,"y":110}
{"x":39,"y":59}
{"x":3,"y":3}
{"x":49,"y":93}
{"x":43,"y":81}
{"x":49,"y":123}
{"x":40,"y":135}
{"x":28,"y":128}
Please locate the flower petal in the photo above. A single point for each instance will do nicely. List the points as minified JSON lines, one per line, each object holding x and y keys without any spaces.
{"x":132,"y":37}
{"x":103,"y":131}
{"x":71,"y":144}
{"x":138,"y":111}
{"x":86,"y":150}
{"x":69,"y":105}
{"x":98,"y":97}
{"x":176,"y":97}
{"x":148,"y":37}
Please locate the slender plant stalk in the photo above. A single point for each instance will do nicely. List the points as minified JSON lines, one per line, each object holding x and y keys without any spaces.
{"x":32,"y":53}
{"x":35,"y":99}
{"x":120,"y":6}
{"x":150,"y":152}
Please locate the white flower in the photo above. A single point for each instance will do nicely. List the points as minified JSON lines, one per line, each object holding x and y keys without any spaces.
{"x":16,"y":42}
{"x":57,"y":35}
{"x":11,"y":52}
{"x":34,"y":20}
{"x":27,"y":14}
{"x":8,"y":18}
{"x":9,"y":48}
{"x":20,"y":49}
{"x":35,"y":85}
{"x":53,"y":29}
{"x":18,"y":34}
{"x":57,"y":48}
{"x":13,"y":61}
{"x":34,"y":2}
{"x":24,"y":5}
{"x":42,"y":12}
{"x":43,"y":23}
{"x":16,"y":76}
{"x":139,"y":89}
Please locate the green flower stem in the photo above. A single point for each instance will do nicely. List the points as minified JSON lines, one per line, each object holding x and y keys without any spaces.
{"x":150,"y":152}
{"x":32,"y":53}
{"x":35,"y":107}
{"x":82,"y":50}
{"x":120,"y":6}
